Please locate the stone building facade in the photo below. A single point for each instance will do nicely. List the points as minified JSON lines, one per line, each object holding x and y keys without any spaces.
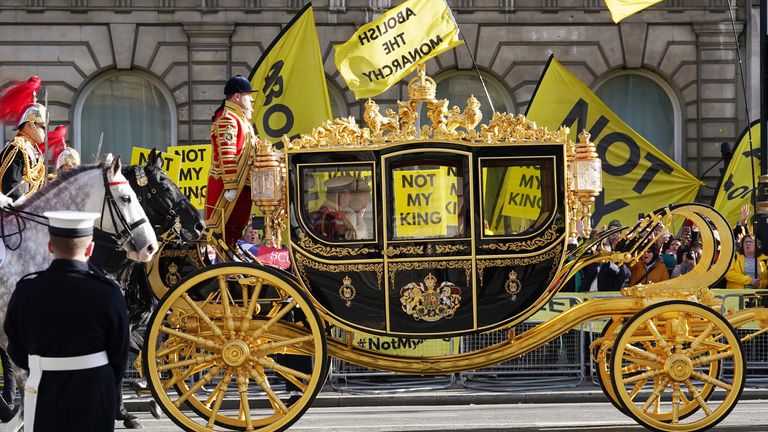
{"x":187,"y":49}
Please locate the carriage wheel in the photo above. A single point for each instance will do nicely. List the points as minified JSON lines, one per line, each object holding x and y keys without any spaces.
{"x":665,"y":364}
{"x":603,"y":359}
{"x":222,"y":332}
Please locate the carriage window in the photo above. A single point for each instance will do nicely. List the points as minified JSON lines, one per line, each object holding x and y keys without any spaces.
{"x":336,"y":202}
{"x":427,"y":200}
{"x":517,"y":195}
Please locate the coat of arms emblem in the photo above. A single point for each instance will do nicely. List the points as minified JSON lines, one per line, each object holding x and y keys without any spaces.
{"x":429,"y":302}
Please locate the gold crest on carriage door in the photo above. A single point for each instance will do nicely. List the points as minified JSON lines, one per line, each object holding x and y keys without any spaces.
{"x":426,"y":202}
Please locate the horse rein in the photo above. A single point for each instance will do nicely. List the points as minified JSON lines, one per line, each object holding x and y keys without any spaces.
{"x":124,"y":236}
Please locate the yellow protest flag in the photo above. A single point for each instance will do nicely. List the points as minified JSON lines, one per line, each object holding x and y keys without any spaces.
{"x":740,"y":177}
{"x":621,"y":9}
{"x":384,"y":51}
{"x":171,"y":162}
{"x":637,"y":177}
{"x":292,"y":95}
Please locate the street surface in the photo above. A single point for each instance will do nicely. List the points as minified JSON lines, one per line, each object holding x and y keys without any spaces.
{"x":748,"y":416}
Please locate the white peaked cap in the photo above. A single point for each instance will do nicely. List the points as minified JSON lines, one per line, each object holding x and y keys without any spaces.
{"x":71,"y":223}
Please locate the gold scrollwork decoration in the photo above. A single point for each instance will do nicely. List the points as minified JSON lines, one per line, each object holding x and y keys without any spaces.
{"x":391,"y":251}
{"x":429,"y":302}
{"x":302,"y":262}
{"x":449,"y":248}
{"x":307,"y":243}
{"x":421,"y":265}
{"x":546,"y":238}
{"x":509,"y":262}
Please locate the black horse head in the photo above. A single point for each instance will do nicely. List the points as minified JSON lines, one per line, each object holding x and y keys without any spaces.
{"x":166,"y":207}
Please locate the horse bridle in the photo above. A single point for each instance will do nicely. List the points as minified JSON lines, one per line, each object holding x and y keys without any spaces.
{"x":144,"y":192}
{"x":124,"y":236}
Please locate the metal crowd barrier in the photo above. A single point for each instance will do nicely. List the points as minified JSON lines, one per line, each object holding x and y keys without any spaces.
{"x":557,"y":364}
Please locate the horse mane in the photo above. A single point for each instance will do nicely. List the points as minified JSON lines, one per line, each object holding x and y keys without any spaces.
{"x":62,"y":178}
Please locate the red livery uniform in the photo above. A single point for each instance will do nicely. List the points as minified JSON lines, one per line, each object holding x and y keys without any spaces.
{"x":232,"y":136}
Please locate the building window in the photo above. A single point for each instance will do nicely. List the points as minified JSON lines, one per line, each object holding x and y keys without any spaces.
{"x":458,"y":86}
{"x":338,"y":103}
{"x":646,"y":104}
{"x":131,"y":109}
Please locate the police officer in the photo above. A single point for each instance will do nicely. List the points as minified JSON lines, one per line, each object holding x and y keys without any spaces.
{"x":68,"y":326}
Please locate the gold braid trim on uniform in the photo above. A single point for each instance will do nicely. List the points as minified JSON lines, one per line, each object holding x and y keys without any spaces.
{"x":34,"y":176}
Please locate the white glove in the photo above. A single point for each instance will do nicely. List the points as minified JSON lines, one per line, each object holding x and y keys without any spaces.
{"x":5,"y":201}
{"x":20,"y":201}
{"x":230,"y":194}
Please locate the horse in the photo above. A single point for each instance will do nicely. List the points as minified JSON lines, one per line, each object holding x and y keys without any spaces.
{"x":101,"y":189}
{"x":170,"y":212}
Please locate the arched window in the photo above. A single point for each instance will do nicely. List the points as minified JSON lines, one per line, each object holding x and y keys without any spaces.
{"x":458,"y":86}
{"x":338,"y":103}
{"x":647,"y":105}
{"x":131,"y":109}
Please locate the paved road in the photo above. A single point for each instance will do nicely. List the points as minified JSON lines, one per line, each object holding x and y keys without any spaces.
{"x":748,"y":416}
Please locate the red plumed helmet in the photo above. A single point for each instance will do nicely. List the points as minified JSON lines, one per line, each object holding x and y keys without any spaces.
{"x":56,"y":141}
{"x":15,"y":100}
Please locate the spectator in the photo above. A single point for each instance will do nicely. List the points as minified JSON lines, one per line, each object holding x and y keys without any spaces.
{"x":649,"y":269}
{"x":687,"y":263}
{"x":670,"y":254}
{"x":747,"y":270}
{"x":607,"y":276}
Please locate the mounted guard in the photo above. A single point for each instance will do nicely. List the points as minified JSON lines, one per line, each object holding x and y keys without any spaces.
{"x":22,"y":163}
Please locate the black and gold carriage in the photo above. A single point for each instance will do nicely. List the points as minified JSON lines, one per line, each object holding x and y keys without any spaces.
{"x":432,"y":229}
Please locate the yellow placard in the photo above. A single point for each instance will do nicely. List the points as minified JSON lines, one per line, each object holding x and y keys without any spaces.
{"x":521,"y":194}
{"x":426,"y":202}
{"x":637,"y":177}
{"x":171,"y":162}
{"x":406,"y":346}
{"x":740,"y":179}
{"x":385,"y":50}
{"x":193,"y":175}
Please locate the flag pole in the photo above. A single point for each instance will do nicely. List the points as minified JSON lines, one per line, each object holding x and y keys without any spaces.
{"x":762,"y":207}
{"x":477,"y":70}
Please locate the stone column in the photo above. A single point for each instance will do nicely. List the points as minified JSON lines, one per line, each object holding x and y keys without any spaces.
{"x":210,"y":66}
{"x":719,"y":110}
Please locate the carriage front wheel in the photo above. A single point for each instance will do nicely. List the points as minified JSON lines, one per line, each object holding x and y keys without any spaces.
{"x":222,"y":347}
{"x":665,"y":367}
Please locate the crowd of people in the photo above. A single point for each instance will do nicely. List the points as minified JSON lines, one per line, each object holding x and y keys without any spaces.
{"x":672,"y":256}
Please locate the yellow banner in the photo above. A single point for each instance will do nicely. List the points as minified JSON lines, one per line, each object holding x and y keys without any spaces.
{"x":740,"y":179}
{"x":292,"y":95}
{"x":637,"y":177}
{"x":426,"y":202}
{"x":384,"y":51}
{"x":621,"y":9}
{"x":171,"y":162}
{"x":406,"y":346}
{"x":193,"y":175}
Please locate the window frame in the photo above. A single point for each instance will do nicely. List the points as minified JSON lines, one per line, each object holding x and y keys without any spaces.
{"x":489,"y":80}
{"x":77,"y":120}
{"x":677,"y":112}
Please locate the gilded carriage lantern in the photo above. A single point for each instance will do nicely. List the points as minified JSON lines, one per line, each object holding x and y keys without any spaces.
{"x":267,"y":184}
{"x":587,"y":180}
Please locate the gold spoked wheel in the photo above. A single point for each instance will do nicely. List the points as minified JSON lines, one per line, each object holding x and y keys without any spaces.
{"x":665,"y":366}
{"x":225,"y":341}
{"x":603,"y":360}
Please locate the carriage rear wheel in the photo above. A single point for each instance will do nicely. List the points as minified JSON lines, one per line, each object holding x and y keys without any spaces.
{"x":223,"y":343}
{"x":665,"y":367}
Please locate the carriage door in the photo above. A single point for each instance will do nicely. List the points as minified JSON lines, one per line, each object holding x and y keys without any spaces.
{"x":427,"y":241}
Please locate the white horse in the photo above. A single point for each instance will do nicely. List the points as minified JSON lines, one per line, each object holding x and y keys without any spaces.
{"x":102,"y":189}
